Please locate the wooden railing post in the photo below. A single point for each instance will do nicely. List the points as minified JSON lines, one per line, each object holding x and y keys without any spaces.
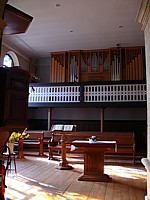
{"x":49,"y":119}
{"x":102,"y":119}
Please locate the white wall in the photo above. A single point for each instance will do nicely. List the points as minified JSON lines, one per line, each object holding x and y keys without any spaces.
{"x":44,"y":70}
{"x":147,"y":49}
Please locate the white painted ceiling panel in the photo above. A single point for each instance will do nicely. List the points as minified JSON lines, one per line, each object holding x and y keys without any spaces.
{"x":77,"y":24}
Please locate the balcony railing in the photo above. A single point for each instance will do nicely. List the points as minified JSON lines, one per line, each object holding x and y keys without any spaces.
{"x":76,"y":93}
{"x":54,"y":94}
{"x":115,"y":93}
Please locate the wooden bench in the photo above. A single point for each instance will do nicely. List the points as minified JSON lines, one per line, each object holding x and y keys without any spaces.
{"x":55,"y":145}
{"x":125,"y":142}
{"x":47,"y":136}
{"x":34,"y":140}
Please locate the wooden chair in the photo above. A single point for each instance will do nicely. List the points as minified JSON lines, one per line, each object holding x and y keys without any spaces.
{"x":9,"y":158}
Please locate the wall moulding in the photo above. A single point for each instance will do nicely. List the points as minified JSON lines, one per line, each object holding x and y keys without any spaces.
{"x":143,"y":14}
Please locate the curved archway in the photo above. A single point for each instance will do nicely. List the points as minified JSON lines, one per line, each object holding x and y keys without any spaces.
{"x":13,"y":59}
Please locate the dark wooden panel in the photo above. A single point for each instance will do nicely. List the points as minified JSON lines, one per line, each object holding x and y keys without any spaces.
{"x":14,"y":97}
{"x":17,"y":21}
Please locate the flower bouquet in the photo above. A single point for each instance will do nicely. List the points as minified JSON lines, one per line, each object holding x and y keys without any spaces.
{"x":15,"y":136}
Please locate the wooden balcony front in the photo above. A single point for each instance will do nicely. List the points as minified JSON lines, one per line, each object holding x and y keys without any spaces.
{"x":88,"y":94}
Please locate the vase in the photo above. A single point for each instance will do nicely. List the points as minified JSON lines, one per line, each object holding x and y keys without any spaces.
{"x":92,"y":141}
{"x":11,"y":147}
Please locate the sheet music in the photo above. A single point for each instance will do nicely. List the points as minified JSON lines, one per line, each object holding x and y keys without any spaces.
{"x":61,"y":127}
{"x":68,"y":128}
{"x":57,"y":127}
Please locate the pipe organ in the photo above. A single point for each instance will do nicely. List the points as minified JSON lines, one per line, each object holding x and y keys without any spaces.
{"x":95,"y":65}
{"x":133,"y":64}
{"x":113,"y":64}
{"x":73,"y":66}
{"x":58,"y":67}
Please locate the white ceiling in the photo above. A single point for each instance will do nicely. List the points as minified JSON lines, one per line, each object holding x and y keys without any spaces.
{"x":95,"y":25}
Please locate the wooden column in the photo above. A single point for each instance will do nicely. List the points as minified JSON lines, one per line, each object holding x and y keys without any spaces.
{"x":102,"y":119}
{"x":2,"y":26}
{"x":2,"y":23}
{"x":2,"y":7}
{"x":49,"y":119}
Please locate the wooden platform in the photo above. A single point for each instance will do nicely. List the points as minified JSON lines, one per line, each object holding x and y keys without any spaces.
{"x":37,"y":178}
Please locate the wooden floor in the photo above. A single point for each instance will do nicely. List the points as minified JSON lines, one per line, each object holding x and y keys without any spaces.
{"x":38,"y":179}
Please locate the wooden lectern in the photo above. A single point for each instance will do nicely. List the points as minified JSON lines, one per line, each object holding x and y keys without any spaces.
{"x":63,"y":164}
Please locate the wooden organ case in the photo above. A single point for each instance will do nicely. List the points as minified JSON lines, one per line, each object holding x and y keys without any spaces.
{"x":114,"y":64}
{"x":58,"y":67}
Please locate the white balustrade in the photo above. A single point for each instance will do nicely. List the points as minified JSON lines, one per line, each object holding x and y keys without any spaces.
{"x":54,"y":94}
{"x":92,"y":93}
{"x":115,"y":93}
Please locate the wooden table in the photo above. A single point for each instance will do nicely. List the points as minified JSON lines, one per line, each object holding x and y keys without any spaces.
{"x":94,"y":159}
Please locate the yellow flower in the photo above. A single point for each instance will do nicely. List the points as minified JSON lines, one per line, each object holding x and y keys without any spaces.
{"x":15,"y":136}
